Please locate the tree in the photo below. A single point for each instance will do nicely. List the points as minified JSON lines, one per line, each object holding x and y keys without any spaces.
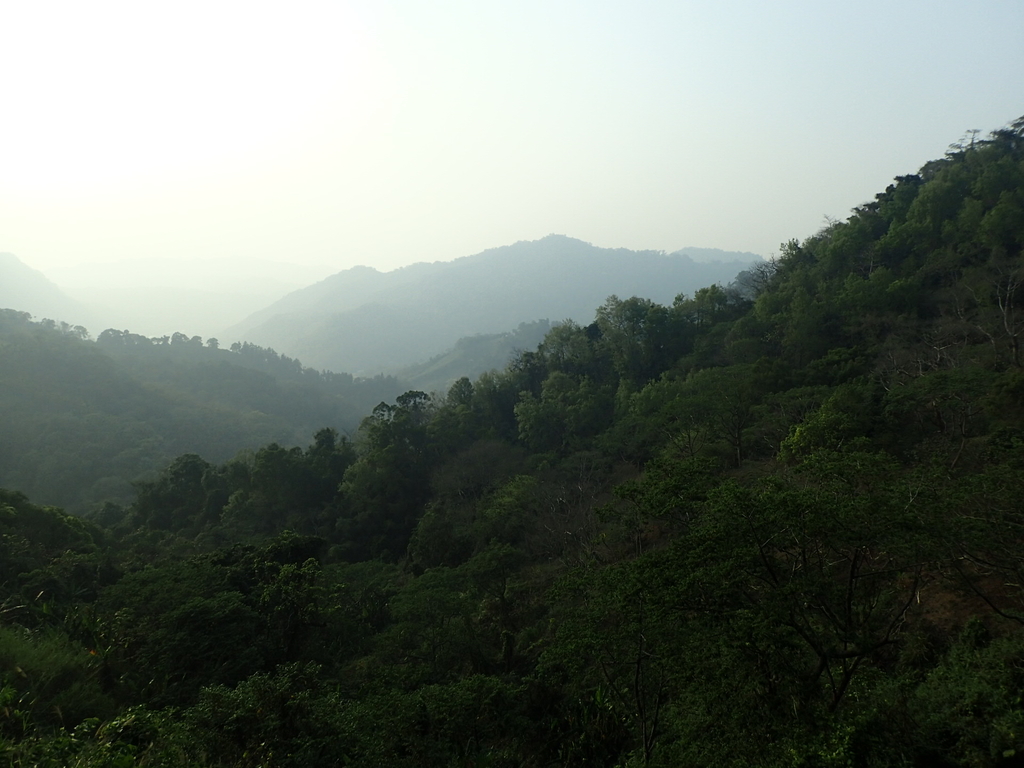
{"x":642,"y":338}
{"x":177,"y":499}
{"x":613,"y":637}
{"x":566,"y":413}
{"x":825,"y":574}
{"x":385,"y":491}
{"x":725,"y":399}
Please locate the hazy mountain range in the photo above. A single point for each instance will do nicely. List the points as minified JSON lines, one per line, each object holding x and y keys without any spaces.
{"x":196,"y":297}
{"x":29,"y":290}
{"x":364,"y":321}
{"x":154,"y":297}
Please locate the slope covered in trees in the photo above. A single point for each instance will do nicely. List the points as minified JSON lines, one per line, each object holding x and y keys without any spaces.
{"x":776,"y":524}
{"x":83,"y":419}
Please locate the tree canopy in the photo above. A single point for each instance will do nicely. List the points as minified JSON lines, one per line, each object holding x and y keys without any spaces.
{"x":775,"y":523}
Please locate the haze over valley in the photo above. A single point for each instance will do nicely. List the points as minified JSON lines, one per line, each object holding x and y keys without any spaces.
{"x":360,"y":320}
{"x":758,"y":510}
{"x":361,"y":403}
{"x":366,"y":321}
{"x":287,"y":369}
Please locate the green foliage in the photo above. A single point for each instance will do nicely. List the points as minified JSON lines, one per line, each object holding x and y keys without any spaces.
{"x":842,"y":420}
{"x":261,"y":494}
{"x":32,"y":536}
{"x":969,"y":708}
{"x":774,"y":524}
{"x":567,"y":414}
{"x":280,"y":719}
{"x":213,"y":619}
{"x":48,"y":680}
{"x":476,"y":721}
{"x":385,"y":490}
{"x":83,"y":420}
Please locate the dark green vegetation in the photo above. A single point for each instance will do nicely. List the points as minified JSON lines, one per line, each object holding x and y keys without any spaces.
{"x":81,"y":420}
{"x":775,"y":525}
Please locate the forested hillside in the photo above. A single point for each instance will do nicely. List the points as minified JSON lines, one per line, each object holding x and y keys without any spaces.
{"x":775,"y":524}
{"x":81,"y":420}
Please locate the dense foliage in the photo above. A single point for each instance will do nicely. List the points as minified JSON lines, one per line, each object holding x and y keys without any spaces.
{"x":82,"y":419}
{"x":774,"y":524}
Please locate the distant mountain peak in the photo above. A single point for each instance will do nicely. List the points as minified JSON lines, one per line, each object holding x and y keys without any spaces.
{"x":365,"y":322}
{"x":29,"y":290}
{"x":708,"y":255}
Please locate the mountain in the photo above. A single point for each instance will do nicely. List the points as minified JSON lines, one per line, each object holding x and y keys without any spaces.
{"x":712,"y":255}
{"x":28,"y":290}
{"x":776,"y":525}
{"x":366,"y":321}
{"x":474,"y":355}
{"x":157,"y":296}
{"x":84,"y":419}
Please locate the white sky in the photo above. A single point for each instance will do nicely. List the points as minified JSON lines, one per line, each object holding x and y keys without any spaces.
{"x":384,"y":133}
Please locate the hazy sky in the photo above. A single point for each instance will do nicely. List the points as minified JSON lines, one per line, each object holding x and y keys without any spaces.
{"x":383,"y":133}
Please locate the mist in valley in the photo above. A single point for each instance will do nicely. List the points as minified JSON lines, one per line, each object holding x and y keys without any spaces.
{"x":514,"y":385}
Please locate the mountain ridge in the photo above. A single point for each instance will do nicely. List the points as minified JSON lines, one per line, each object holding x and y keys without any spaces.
{"x":423,"y":309}
{"x":25,"y":289}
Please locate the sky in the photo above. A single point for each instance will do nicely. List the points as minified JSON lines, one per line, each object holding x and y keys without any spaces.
{"x":308,"y":137}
